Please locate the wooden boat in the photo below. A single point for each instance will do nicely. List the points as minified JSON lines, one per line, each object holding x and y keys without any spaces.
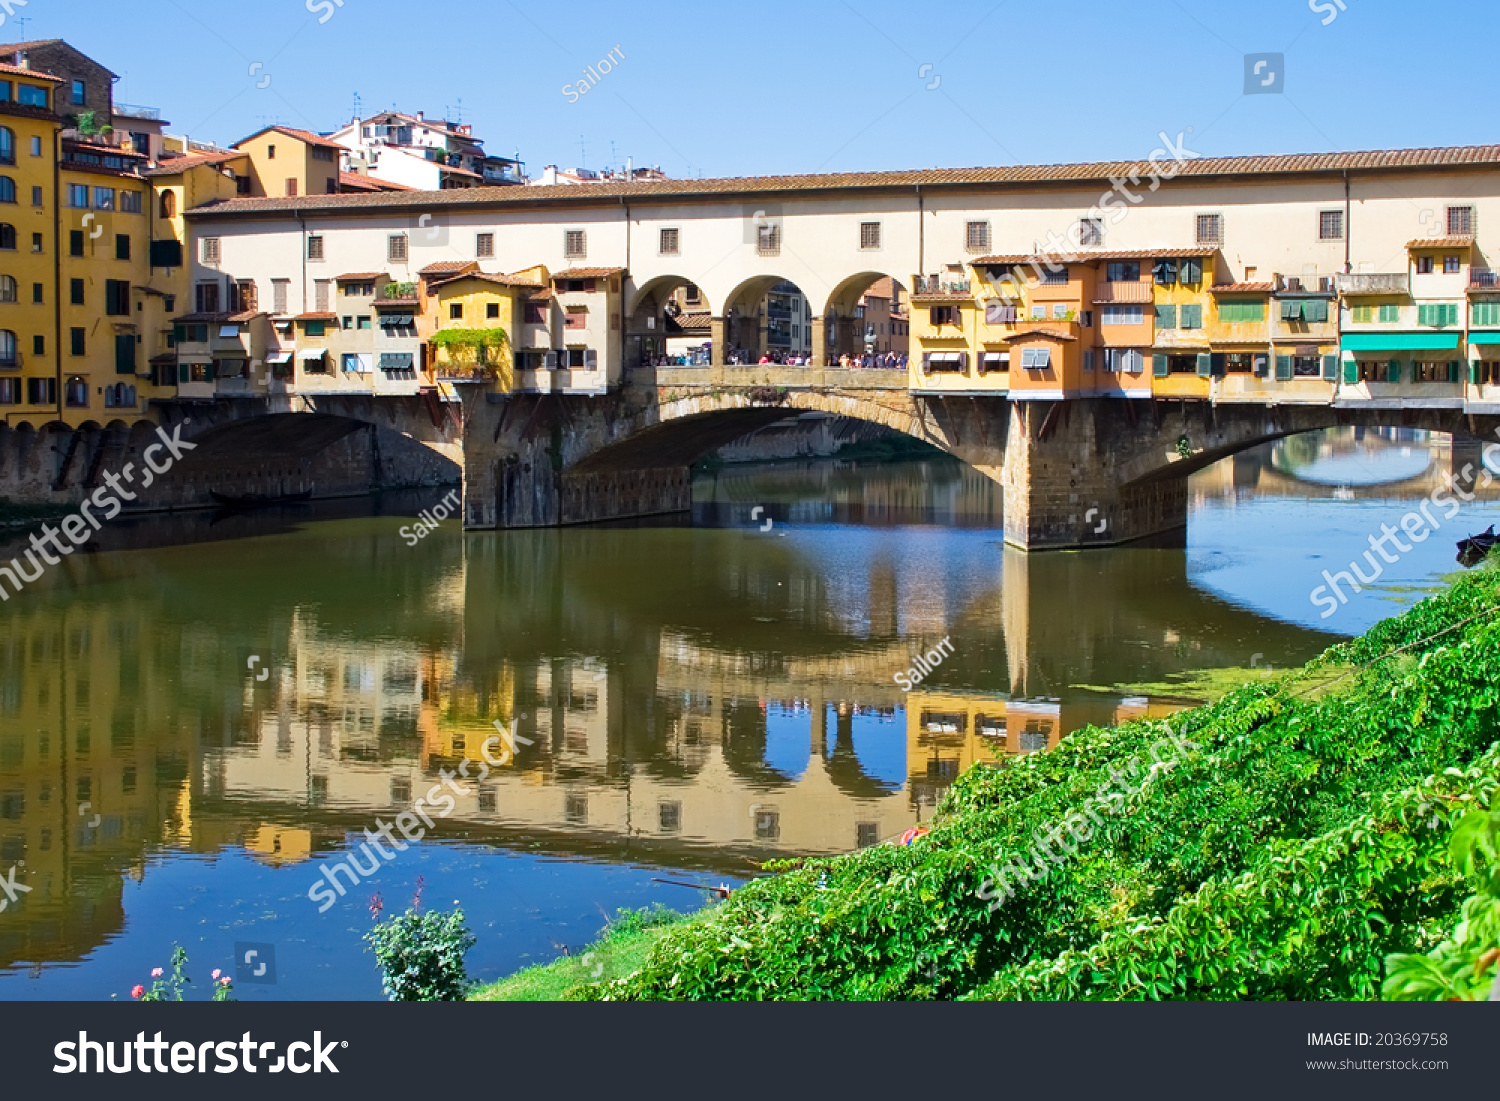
{"x":259,"y":500}
{"x":1476,"y":548}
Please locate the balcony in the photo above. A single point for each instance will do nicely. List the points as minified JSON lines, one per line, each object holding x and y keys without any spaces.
{"x":1382,"y":283}
{"x":131,"y":111}
{"x":937,"y":285}
{"x":1306,"y":284}
{"x":11,"y":360}
{"x":1132,"y":293}
{"x":1483,"y":279}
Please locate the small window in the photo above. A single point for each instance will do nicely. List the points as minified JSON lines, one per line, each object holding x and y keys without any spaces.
{"x":768,"y":240}
{"x":977,"y":237}
{"x":1424,"y":265}
{"x":270,"y":152}
{"x":78,"y":196}
{"x":76,"y":292}
{"x":869,"y":235}
{"x":1331,"y":225}
{"x":575,"y":244}
{"x":456,"y":311}
{"x":315,"y":247}
{"x":1210,"y":229}
{"x":396,"y":248}
{"x":130,"y":202}
{"x":670,"y":242}
{"x":36,"y":147}
{"x":492,"y":309}
{"x":210,"y":250}
{"x":1460,"y":221}
{"x":38,"y":197}
{"x":1051,"y":278}
{"x":80,"y":94}
{"x":168,"y":204}
{"x":484,"y":245}
{"x":1451,"y":265}
{"x":1123,"y":271}
{"x":77,"y":344}
{"x":38,"y":292}
{"x":363,"y":321}
{"x":122,"y":246}
{"x":38,"y":243}
{"x":1090,"y":232}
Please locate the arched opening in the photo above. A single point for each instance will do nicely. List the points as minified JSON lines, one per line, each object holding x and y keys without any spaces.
{"x":867,"y":322}
{"x":670,"y":324}
{"x":168,"y":204}
{"x":768,"y":319}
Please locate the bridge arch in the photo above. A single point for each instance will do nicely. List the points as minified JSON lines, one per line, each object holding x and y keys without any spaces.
{"x":668,"y":318}
{"x":847,"y":332}
{"x":767,"y":314}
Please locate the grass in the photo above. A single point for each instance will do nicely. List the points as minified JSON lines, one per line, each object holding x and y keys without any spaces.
{"x":620,"y":950}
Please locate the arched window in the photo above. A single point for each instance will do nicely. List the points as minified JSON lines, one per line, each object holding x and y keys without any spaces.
{"x":7,"y":236}
{"x":7,"y":348}
{"x":169,"y":204}
{"x":7,"y":145}
{"x":76,"y":393}
{"x":7,"y":190}
{"x":7,"y":289}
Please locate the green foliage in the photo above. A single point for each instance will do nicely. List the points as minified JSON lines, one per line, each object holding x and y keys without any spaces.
{"x":170,"y":988}
{"x":1463,"y":966}
{"x":400,"y":290}
{"x":470,"y":338}
{"x":1286,"y":859}
{"x":88,"y":125}
{"x":421,"y":955}
{"x":1184,"y":447}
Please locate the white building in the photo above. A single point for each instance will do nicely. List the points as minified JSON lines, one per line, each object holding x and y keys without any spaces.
{"x":422,"y":153}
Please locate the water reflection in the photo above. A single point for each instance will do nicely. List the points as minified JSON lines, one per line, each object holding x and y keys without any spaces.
{"x":697,"y":700}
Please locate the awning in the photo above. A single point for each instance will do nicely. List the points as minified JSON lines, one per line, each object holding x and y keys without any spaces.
{"x":1401,"y":342}
{"x":395,"y":361}
{"x":279,"y":357}
{"x":1484,"y":338}
{"x":194,"y":358}
{"x":311,"y":353}
{"x":229,"y":331}
{"x":392,"y":320}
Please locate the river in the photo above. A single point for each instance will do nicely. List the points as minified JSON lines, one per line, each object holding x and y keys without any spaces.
{"x":202,"y":717}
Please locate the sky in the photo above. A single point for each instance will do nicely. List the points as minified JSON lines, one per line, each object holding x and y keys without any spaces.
{"x":792,"y":86}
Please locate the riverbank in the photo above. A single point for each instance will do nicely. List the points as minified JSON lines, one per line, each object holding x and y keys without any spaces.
{"x":1296,"y":836}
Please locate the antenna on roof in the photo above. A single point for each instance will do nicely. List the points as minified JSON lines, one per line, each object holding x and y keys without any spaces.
{"x":583,"y":159}
{"x":358,"y":105}
{"x":21,"y":21}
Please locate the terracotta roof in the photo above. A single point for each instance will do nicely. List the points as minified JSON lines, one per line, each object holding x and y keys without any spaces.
{"x":1242,"y":288}
{"x":586,"y":273}
{"x":244,"y":315}
{"x":170,"y":166}
{"x":1048,"y":333}
{"x":405,"y":305}
{"x":370,"y":183}
{"x":501,"y":280}
{"x":1460,"y":241}
{"x":1089,"y":257}
{"x":358,"y":277}
{"x":445,"y":267}
{"x":316,"y":317}
{"x":1471,"y":156}
{"x":544,"y":296}
{"x":163,"y":357}
{"x":301,"y":135}
{"x":7,"y":51}
{"x":689,"y":323}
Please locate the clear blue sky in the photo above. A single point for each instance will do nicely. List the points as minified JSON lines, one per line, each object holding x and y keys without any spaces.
{"x":776,"y":86}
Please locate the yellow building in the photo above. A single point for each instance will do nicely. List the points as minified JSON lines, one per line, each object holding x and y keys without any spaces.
{"x":285,"y":161}
{"x":1181,"y":363}
{"x":476,"y":317}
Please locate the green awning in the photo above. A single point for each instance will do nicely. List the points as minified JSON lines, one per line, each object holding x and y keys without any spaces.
{"x":1484,"y":338}
{"x":1401,"y":342}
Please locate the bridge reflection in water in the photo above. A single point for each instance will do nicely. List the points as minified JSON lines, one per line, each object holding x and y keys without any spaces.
{"x":699,"y":699}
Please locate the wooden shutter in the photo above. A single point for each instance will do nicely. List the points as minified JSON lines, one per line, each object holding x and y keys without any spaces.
{"x":1283,"y":368}
{"x":182,"y":372}
{"x":1192,"y":316}
{"x":1351,"y":371}
{"x":1453,"y":370}
{"x":1393,"y":371}
{"x":1159,"y":366}
{"x":1474,"y":371}
{"x":1205,"y":365}
{"x":1166,"y":317}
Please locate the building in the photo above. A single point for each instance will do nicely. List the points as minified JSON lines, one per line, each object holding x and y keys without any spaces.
{"x":417,"y":152}
{"x":885,"y":313}
{"x":289,"y":162}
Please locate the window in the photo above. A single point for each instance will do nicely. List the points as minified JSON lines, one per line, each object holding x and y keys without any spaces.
{"x":7,"y":145}
{"x":1242,"y":311}
{"x":1390,"y":314}
{"x":1123,"y":271}
{"x":10,"y":391}
{"x":29,"y":95}
{"x":1165,"y":272}
{"x":36,"y":144}
{"x":8,"y":349}
{"x":1451,"y":265}
{"x":315,"y":328}
{"x":1210,"y":229}
{"x":208,"y":297}
{"x":1239,"y":363}
{"x":1090,"y":232}
{"x":1060,"y":311}
{"x":977,"y":237}
{"x":768,"y":240}
{"x":1190,"y":272}
{"x":575,"y":244}
{"x":41,"y":391}
{"x":168,"y":204}
{"x":77,"y":342}
{"x":1331,"y":225}
{"x":38,"y":292}
{"x":38,"y":197}
{"x":536,"y":313}
{"x":363,"y":321}
{"x":104,"y":198}
{"x":1124,"y":360}
{"x":869,"y":235}
{"x":117,"y":298}
{"x":1307,"y":367}
{"x":492,"y":310}
{"x":78,"y":196}
{"x":1192,"y":316}
{"x":1122,"y":315}
{"x":1166,"y":317}
{"x":125,"y":349}
{"x":80,"y":94}
{"x":210,"y":250}
{"x":130,"y":202}
{"x":671,"y":240}
{"x":1304,"y":309}
{"x":1460,"y":221}
{"x":122,"y":246}
{"x":270,"y":152}
{"x":1486,"y":313}
{"x":1435,"y":371}
{"x":320,"y":294}
{"x":1424,"y":265}
{"x":9,"y":292}
{"x":243,"y":296}
{"x":38,"y":345}
{"x":484,"y":245}
{"x":38,"y":243}
{"x":1036,"y":359}
{"x":77,"y":292}
{"x":456,"y":311}
{"x":943,"y":315}
{"x":1439,"y":314}
{"x":315,"y":247}
{"x":395,"y":250}
{"x":576,"y":317}
{"x":1051,"y":278}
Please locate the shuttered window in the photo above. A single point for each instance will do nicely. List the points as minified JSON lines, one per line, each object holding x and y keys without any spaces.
{"x":1242,"y":311}
{"x":1166,"y":317}
{"x":1486,"y":313}
{"x":1192,"y":316}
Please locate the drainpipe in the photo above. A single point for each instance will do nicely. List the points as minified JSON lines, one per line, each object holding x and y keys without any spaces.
{"x":57,"y":199}
{"x":1348,"y":227}
{"x":921,"y":232}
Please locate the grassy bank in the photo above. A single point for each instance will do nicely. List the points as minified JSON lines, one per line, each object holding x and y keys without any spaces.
{"x":620,"y":950}
{"x":1299,"y":839}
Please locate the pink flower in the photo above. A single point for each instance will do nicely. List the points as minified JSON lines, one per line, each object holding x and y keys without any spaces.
{"x":224,"y":981}
{"x":137,"y":990}
{"x":156,"y":972}
{"x":215,"y":974}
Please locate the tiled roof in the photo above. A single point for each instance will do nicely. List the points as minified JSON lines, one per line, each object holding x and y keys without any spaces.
{"x":369,"y":183}
{"x":405,"y":305}
{"x":209,"y":318}
{"x":358,"y":277}
{"x":1470,"y":156}
{"x":1242,"y":288}
{"x":1089,"y":257}
{"x":884,"y":287}
{"x":1459,"y":241}
{"x":291,"y":131}
{"x":1048,"y":333}
{"x":501,"y":280}
{"x":447,"y":267}
{"x":17,"y":70}
{"x":586,"y":273}
{"x":171,"y":166}
{"x":316,"y":317}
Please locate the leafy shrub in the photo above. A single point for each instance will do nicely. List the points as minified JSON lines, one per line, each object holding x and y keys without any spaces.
{"x":165,"y":989}
{"x":421,"y":955}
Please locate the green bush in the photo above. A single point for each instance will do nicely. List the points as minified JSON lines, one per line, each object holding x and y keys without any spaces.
{"x":421,"y":955}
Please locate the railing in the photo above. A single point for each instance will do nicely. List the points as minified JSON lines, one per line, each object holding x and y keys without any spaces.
{"x":934,"y":284}
{"x":10,"y":361}
{"x":1382,"y":283}
{"x":1133,"y":292}
{"x":130,"y":110}
{"x":1482,"y":277}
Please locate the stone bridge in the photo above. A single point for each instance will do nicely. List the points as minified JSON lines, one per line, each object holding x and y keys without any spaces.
{"x":1083,"y":472}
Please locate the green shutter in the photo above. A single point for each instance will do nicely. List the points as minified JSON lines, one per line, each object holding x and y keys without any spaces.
{"x":1291,"y":309}
{"x":1393,"y":371}
{"x":1453,"y":370}
{"x":1159,"y":366}
{"x":208,"y":372}
{"x":1351,"y":371}
{"x":1166,"y":317}
{"x":182,"y":372}
{"x":1330,"y":368}
{"x":1390,"y":313}
{"x":1283,"y":368}
{"x":1192,"y":316}
{"x":1218,"y":364}
{"x":1474,"y":372}
{"x":1316,"y":309}
{"x":1205,"y":365}
{"x":1192,"y":272}
{"x":125,"y":354}
{"x":1450,"y":313}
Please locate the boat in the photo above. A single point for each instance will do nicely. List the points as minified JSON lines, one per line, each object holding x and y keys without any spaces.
{"x":1476,"y":548}
{"x":258,"y":500}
